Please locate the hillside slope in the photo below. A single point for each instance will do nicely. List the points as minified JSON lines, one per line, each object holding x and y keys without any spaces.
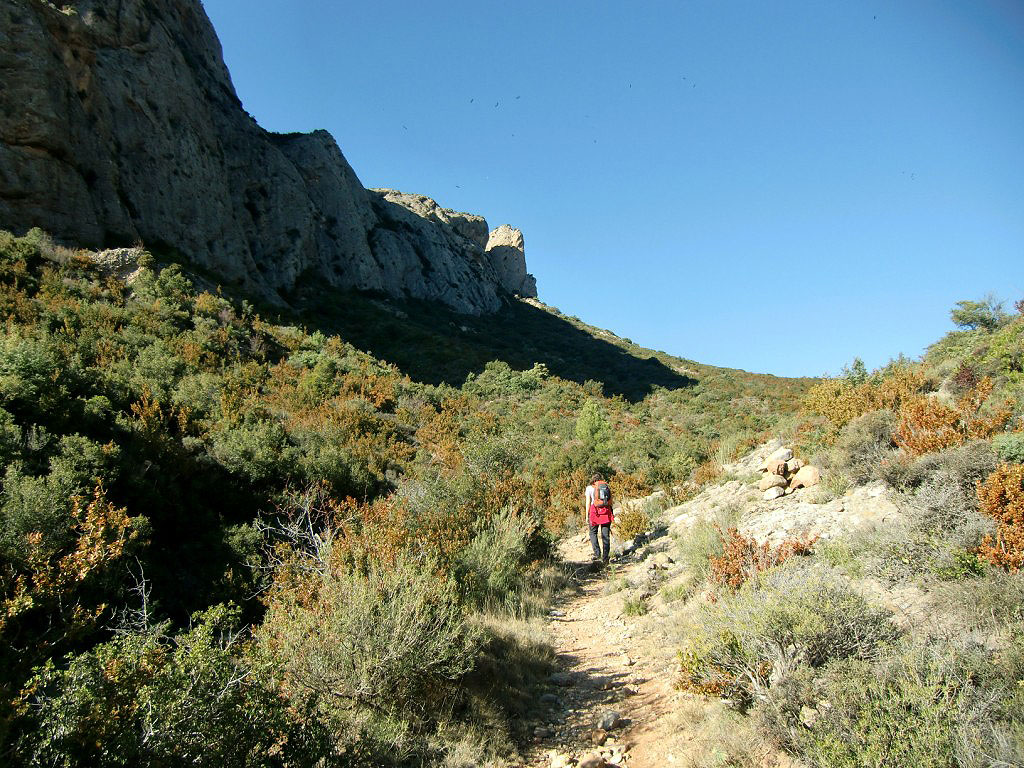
{"x":177,"y":467}
{"x":437,"y":346}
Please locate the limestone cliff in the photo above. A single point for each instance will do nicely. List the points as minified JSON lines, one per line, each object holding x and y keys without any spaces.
{"x":119,"y":123}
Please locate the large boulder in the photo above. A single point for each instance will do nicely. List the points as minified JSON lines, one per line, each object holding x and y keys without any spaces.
{"x":771,"y":480}
{"x":805,"y":477}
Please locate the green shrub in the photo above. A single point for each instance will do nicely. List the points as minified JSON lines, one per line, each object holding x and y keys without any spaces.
{"x":169,"y":290}
{"x":256,"y":451}
{"x":10,"y":438}
{"x":634,"y":606}
{"x":679,"y":590}
{"x":34,"y":505}
{"x":935,"y":705}
{"x":1006,"y":348}
{"x":702,"y":542}
{"x":965,"y":465}
{"x":942,"y":526}
{"x":987,"y":314}
{"x":31,"y":378}
{"x":990,"y":602}
{"x":843,"y":554}
{"x":155,"y":369}
{"x":743,"y":643}
{"x":392,"y":641}
{"x":147,"y":699}
{"x":490,"y":568}
{"x":1010,"y":447}
{"x":864,"y":445}
{"x":877,"y":722}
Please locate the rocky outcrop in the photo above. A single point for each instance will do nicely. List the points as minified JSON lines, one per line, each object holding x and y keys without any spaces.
{"x":120,"y":263}
{"x":507,"y":255}
{"x":784,"y":474}
{"x":785,"y":515}
{"x":464,"y":225}
{"x":119,"y":124}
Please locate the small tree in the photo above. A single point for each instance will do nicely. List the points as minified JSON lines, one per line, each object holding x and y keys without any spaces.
{"x":986,"y":314}
{"x":856,"y":372}
{"x":593,"y":429}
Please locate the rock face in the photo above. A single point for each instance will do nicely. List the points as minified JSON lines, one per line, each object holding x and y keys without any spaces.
{"x":119,"y":124}
{"x":507,"y":255}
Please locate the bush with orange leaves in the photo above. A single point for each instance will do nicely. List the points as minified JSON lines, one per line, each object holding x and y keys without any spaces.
{"x":563,"y":498}
{"x":841,"y":400}
{"x":59,"y":590}
{"x":928,"y":425}
{"x":743,"y":557}
{"x":1002,"y":499}
{"x":707,"y":473}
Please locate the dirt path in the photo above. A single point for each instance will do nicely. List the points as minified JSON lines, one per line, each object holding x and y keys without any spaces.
{"x":609,"y":662}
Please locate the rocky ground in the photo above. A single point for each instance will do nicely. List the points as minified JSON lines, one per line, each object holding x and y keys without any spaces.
{"x":613,"y":685}
{"x":612,"y":700}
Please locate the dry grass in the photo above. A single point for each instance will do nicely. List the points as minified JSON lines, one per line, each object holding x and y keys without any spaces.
{"x":709,"y":735}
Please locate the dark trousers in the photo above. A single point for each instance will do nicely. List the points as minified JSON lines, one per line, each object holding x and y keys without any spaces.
{"x":606,"y":536}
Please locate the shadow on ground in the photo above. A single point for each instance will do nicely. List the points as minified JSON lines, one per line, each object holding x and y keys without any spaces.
{"x":434,"y":345}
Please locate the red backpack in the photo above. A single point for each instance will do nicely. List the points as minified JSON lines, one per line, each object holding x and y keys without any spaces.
{"x":602,"y":495}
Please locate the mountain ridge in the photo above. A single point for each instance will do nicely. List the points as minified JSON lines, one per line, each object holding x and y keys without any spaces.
{"x":121,"y":125}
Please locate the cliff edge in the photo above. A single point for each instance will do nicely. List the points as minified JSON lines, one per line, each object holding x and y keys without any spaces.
{"x":119,"y":124}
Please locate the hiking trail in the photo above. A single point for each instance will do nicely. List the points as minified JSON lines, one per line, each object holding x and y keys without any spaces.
{"x":619,"y":664}
{"x":609,"y":662}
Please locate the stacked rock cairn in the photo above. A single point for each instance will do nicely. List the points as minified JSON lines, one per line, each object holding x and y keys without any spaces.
{"x":783,"y":474}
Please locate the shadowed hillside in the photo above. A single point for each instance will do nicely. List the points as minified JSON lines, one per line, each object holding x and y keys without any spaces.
{"x":436,"y":346}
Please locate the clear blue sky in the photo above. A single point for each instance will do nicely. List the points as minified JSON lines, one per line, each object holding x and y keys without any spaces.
{"x":773,"y":186}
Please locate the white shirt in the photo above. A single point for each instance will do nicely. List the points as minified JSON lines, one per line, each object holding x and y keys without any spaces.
{"x":590,"y":495}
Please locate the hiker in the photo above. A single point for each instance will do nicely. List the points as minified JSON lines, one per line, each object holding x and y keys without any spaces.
{"x":598,"y":514}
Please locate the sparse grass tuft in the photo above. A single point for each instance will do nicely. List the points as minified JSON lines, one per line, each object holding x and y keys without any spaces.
{"x":634,"y":606}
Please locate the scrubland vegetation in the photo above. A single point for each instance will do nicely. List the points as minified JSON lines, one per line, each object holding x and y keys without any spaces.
{"x":226,"y":540}
{"x":801,"y":639}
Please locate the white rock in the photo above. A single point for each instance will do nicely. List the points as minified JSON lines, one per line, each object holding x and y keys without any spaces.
{"x":771,"y":481}
{"x":505,"y":251}
{"x":773,"y":493}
